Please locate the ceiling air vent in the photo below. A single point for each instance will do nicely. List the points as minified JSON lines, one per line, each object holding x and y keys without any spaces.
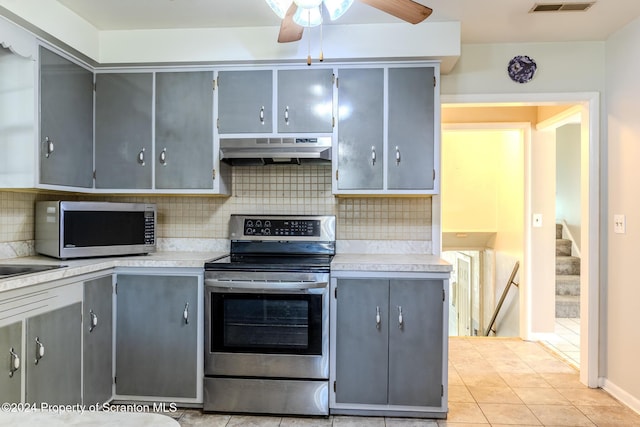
{"x":561,"y":7}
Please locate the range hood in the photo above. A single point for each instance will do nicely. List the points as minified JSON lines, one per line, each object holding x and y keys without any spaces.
{"x":263,"y":151}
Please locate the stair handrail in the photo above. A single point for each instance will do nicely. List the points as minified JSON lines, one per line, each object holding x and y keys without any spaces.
{"x":502,"y":298}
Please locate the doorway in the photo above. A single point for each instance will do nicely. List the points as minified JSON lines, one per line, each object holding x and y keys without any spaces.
{"x":530,"y":329}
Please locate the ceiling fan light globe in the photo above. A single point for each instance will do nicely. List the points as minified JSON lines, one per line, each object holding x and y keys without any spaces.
{"x":308,"y":17}
{"x":337,"y":8}
{"x":279,"y":7}
{"x":308,"y":4}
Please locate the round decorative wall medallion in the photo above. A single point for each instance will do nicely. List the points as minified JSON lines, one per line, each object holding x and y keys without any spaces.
{"x":521,"y":69}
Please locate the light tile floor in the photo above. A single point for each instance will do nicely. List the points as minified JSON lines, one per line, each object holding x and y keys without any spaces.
{"x":492,"y":382}
{"x":566,"y":340}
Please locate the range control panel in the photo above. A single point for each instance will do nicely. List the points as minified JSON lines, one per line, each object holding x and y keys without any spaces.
{"x":281,"y":227}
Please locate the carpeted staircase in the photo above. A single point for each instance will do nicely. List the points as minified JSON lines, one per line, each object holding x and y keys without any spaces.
{"x":567,"y":278}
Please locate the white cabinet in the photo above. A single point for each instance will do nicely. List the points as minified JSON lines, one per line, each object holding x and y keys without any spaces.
{"x":389,"y":344}
{"x":388,"y":130}
{"x":269,"y":102}
{"x":159,"y":353}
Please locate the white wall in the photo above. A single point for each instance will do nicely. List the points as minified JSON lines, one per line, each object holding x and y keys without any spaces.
{"x":568,"y":178}
{"x":621,"y":292}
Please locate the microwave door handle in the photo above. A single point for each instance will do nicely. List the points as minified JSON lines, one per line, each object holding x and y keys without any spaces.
{"x":242,"y":284}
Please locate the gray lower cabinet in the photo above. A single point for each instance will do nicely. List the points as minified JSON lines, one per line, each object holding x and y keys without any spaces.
{"x":123,"y":130}
{"x":66,"y":122}
{"x":11,"y":354}
{"x":389,"y":346}
{"x":184,"y":130}
{"x":97,"y":333}
{"x":54,"y":356}
{"x":157,"y":336}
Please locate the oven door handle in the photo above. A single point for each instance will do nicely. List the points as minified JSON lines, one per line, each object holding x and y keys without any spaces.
{"x":265,"y":285}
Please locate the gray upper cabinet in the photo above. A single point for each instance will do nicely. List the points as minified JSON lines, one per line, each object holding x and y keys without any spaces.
{"x":361,"y":128}
{"x":388,"y":136}
{"x":97,"y":333}
{"x":390,"y":349}
{"x":11,"y":354}
{"x":157,"y":336}
{"x":410,"y":148}
{"x":245,"y":101}
{"x":305,"y":101}
{"x":123,"y":146}
{"x":66,"y":122}
{"x":54,"y":349}
{"x":184,"y":130}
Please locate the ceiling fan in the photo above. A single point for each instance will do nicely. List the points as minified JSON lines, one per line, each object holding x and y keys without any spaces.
{"x":298,"y":14}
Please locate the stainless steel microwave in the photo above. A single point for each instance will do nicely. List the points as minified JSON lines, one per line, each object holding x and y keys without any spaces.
{"x":67,"y":229}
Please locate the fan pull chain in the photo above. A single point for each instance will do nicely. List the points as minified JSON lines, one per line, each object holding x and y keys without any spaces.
{"x":309,"y":37}
{"x":321,"y":25}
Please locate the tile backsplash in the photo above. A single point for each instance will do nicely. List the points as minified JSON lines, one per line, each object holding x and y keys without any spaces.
{"x":276,"y":189}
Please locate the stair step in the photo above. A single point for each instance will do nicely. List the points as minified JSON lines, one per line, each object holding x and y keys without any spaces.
{"x":563,"y":247}
{"x":558,"y":231}
{"x":568,"y":284}
{"x":567,"y":265}
{"x":568,"y":306}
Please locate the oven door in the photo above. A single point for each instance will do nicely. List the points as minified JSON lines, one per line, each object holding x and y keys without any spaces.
{"x":261,"y":327}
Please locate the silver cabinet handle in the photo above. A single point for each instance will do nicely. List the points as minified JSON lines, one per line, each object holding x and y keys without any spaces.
{"x":397,"y":155}
{"x":185,"y":314}
{"x":163,"y":157}
{"x":400,"y":318}
{"x":39,"y":350}
{"x":141,"y":157}
{"x":373,"y":155}
{"x":262,"y":115}
{"x":14,"y":363}
{"x":49,"y":147}
{"x":93,"y":321}
{"x":378,"y":319}
{"x":286,"y":115}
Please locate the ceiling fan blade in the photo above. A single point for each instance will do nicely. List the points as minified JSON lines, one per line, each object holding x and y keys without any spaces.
{"x":407,"y":10}
{"x":289,"y":30}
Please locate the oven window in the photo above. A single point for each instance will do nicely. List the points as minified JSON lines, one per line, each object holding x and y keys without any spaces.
{"x":253,"y":323}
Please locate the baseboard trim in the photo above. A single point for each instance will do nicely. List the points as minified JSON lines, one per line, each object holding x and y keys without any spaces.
{"x":620,"y":394}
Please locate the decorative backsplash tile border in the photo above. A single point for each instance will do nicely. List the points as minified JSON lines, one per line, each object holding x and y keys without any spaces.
{"x":276,"y":189}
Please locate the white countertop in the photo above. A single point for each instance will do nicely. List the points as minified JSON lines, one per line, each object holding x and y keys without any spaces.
{"x":186,"y":259}
{"x":76,"y":267}
{"x":422,"y":263}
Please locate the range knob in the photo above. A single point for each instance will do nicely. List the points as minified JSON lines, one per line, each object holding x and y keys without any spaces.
{"x":266,"y":231}
{"x":258,"y":223}
{"x":249,"y":230}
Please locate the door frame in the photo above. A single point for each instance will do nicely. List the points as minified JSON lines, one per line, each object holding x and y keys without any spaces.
{"x":591,"y":221}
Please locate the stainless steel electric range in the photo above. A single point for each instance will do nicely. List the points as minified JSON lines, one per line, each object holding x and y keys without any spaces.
{"x":267,"y":317}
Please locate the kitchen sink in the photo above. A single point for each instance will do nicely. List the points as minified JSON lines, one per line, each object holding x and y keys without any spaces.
{"x":10,"y":270}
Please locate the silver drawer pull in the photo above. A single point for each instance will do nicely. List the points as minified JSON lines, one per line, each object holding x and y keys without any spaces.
{"x":286,"y":115}
{"x":15,"y":362}
{"x":400,"y":317}
{"x":163,"y":157}
{"x":262,"y":115}
{"x":378,"y":318}
{"x":185,"y":314}
{"x":141,"y":157}
{"x":93,"y":322}
{"x":49,"y":147}
{"x":39,"y":350}
{"x":397,"y":156}
{"x":373,"y":155}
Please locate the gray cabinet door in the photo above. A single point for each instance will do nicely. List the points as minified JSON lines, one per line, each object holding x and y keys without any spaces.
{"x":415,"y":344}
{"x":305,"y":101}
{"x":97,"y":332}
{"x":124,"y":107}
{"x":156,"y":348}
{"x":245,"y":101}
{"x":362,"y":344}
{"x":410,"y":147}
{"x":56,"y":336}
{"x":10,"y":350}
{"x":184,"y":130}
{"x":360,"y":128}
{"x":66,"y":122}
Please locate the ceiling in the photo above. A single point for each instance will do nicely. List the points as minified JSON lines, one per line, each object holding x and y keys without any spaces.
{"x":482,"y":21}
